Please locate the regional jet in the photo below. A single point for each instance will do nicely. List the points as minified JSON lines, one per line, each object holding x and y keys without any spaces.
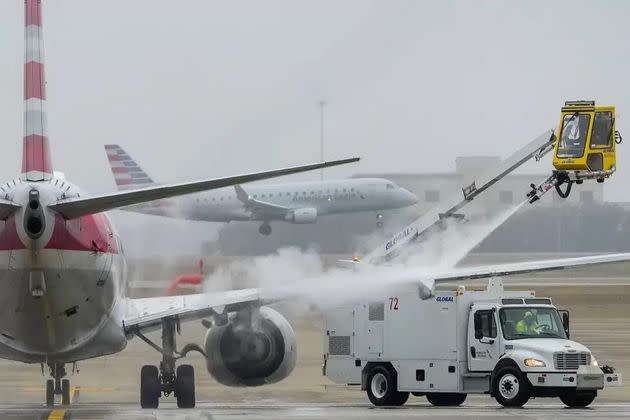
{"x":296,"y":202}
{"x":63,"y":277}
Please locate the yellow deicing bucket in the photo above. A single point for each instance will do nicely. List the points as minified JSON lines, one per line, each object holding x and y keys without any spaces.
{"x":586,"y":140}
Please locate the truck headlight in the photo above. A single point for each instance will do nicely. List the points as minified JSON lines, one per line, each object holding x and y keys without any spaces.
{"x":534,"y":363}
{"x":594,"y":361}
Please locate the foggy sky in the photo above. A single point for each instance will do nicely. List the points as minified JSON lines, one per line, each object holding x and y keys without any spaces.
{"x":200,"y":88}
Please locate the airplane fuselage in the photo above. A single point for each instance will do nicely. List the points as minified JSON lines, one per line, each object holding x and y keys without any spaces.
{"x":63,"y":292}
{"x":325,"y":197}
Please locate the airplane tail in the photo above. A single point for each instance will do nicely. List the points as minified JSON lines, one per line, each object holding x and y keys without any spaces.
{"x":127,"y":173}
{"x":36,"y":161}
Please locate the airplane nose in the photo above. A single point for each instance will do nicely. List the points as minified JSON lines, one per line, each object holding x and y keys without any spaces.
{"x":408,"y":198}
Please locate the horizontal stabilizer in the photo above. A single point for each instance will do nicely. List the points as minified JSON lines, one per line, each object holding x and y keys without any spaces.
{"x":7,"y":208}
{"x":77,"y":207}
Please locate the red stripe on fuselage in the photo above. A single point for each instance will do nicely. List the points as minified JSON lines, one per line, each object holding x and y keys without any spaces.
{"x":9,"y":239}
{"x":36,"y":154}
{"x":34,"y":80}
{"x":33,"y":12}
{"x":118,"y":170}
{"x":88,"y":233}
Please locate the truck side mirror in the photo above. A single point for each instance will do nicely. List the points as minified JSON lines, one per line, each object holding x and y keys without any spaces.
{"x":565,"y":322}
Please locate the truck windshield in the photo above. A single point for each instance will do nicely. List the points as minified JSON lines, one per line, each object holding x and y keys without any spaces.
{"x":531,"y":322}
{"x":573,"y":136}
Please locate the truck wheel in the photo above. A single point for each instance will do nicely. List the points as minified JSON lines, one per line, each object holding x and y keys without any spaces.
{"x":446,"y":399}
{"x":382,"y":388}
{"x":510,"y":387}
{"x":578,"y":400}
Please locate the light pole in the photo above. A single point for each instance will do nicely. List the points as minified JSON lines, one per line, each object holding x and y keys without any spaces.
{"x":322,"y":104}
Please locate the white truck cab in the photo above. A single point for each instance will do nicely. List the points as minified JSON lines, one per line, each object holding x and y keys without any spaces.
{"x":508,"y":344}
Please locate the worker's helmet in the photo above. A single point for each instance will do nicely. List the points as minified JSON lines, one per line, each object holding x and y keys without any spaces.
{"x":529,"y":316}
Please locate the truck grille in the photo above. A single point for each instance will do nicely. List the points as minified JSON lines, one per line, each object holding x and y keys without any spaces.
{"x":571,"y":361}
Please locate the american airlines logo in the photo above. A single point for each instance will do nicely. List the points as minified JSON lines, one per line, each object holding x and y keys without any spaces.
{"x":398,"y":237}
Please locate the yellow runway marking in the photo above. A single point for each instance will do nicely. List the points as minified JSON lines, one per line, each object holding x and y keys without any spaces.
{"x":57,"y":415}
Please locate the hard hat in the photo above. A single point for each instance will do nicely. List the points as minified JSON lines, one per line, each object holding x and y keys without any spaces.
{"x":528,"y":314}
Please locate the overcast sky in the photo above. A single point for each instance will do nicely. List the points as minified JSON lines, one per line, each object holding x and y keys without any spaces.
{"x":200,"y":88}
{"x":206,"y":88}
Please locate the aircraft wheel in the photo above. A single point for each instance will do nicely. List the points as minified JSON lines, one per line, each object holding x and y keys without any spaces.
{"x":150,"y":388}
{"x":185,"y":386}
{"x":265,"y":229}
{"x":65,"y":392}
{"x":50,"y":393}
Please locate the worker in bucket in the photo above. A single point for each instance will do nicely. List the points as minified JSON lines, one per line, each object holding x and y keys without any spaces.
{"x":528,"y":325}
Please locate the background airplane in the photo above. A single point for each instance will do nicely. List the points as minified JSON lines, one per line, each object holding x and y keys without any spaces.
{"x":292,"y":202}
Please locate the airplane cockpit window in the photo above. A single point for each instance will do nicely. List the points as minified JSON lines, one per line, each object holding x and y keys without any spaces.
{"x":390,"y":186}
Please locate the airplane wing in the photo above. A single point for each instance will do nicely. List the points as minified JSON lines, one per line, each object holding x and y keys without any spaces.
{"x":7,"y":208}
{"x":429,"y":280}
{"x":77,"y":207}
{"x":147,"y":313}
{"x":257,"y":206}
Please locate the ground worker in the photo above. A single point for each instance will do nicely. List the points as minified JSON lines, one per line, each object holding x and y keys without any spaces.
{"x":527,"y":325}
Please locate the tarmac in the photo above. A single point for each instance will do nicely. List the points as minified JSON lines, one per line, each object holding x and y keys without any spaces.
{"x":305,"y":411}
{"x":108,"y":387}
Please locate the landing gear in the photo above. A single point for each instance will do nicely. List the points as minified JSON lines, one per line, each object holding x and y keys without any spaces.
{"x":50,"y":393}
{"x":265,"y":229}
{"x":185,"y":387}
{"x":57,"y":385}
{"x":156,"y":382}
{"x":150,"y":389}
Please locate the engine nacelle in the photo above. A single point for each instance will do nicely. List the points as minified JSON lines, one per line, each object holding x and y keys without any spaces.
{"x":303,"y":216}
{"x":251,"y":350}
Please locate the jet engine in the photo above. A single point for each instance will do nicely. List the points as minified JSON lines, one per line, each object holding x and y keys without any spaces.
{"x":255,"y":347}
{"x":303,"y":216}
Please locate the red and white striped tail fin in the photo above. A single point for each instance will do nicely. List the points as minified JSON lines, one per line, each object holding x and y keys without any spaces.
{"x":127,"y":173}
{"x":36,"y":161}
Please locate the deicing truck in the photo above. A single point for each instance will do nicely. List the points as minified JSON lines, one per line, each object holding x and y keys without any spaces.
{"x":510,"y":345}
